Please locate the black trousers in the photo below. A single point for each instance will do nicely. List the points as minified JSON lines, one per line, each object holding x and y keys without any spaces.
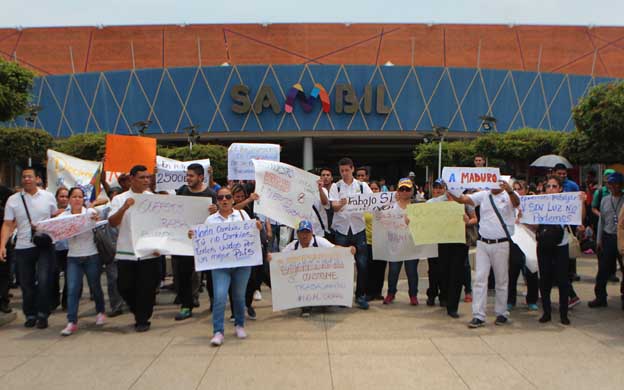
{"x":451,"y":258}
{"x":60,"y":297}
{"x":532,"y":282}
{"x":607,"y":261}
{"x":376,"y":274}
{"x":5,"y":276}
{"x":184,"y":267}
{"x":137,"y":283}
{"x":433,"y":273}
{"x":553,"y":265}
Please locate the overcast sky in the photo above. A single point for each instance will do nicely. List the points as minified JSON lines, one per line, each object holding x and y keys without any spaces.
{"x":124,"y":12}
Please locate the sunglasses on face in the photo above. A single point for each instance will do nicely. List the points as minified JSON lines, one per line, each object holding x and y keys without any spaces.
{"x":404,"y":189}
{"x":221,"y":197}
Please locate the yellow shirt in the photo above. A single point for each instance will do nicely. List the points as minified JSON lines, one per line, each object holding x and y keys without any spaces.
{"x":368,"y":219}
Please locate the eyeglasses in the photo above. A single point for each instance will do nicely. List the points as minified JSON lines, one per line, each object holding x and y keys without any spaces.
{"x":404,"y":189}
{"x":221,"y":197}
{"x":552,"y":185}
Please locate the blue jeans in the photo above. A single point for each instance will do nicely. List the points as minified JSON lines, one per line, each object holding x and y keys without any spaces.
{"x":411,"y":269}
{"x":77,"y":267}
{"x":36,"y":271}
{"x":221,"y":279}
{"x":358,"y":240}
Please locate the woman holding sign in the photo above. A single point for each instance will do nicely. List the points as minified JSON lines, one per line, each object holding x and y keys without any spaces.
{"x":224,"y":277}
{"x":82,"y":259}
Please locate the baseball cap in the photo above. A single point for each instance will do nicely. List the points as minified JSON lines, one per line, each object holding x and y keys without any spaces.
{"x":304,"y":225}
{"x":411,"y":174}
{"x":615,"y":178}
{"x":608,"y":172}
{"x":439,"y":183}
{"x":406,"y":182}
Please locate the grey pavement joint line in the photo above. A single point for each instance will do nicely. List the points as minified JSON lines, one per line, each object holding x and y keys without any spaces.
{"x":212,"y":359}
{"x":509,"y":363}
{"x":450,"y":364}
{"x":34,"y":355}
{"x":151,"y":363}
{"x":331,"y":374}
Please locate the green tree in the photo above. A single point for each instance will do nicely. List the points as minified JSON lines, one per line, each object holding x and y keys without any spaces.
{"x":599,"y":119}
{"x":17,"y":144}
{"x":454,"y":153}
{"x":86,"y":146}
{"x":15,"y":86}
{"x":216,"y":153}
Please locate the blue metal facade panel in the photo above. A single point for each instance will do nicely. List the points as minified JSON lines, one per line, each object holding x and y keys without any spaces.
{"x":418,"y":97}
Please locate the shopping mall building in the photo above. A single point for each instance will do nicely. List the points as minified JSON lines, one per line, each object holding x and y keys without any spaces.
{"x":369,"y":91}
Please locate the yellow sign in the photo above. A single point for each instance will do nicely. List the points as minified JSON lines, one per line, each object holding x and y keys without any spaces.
{"x":437,"y":223}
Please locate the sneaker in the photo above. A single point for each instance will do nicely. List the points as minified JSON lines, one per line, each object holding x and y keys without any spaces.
{"x":430,"y":301}
{"x":251,"y":313}
{"x":476,"y":323}
{"x":306,"y":312}
{"x":232,"y":319}
{"x":388,"y":299}
{"x":257,"y":295}
{"x":183,"y":315}
{"x":414,"y":301}
{"x":362,"y":303}
{"x":597,"y":303}
{"x":573,"y":302}
{"x":453,"y":314}
{"x":100,"y":319}
{"x":140,"y":328}
{"x":217,"y":339}
{"x":240,"y":332}
{"x":30,"y":323}
{"x":70,"y":329}
{"x":468,"y":298}
{"x":533,"y":307}
{"x":42,"y":323}
{"x":501,"y":320}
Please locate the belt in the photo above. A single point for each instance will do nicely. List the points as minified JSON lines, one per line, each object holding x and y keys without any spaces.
{"x":488,"y":241}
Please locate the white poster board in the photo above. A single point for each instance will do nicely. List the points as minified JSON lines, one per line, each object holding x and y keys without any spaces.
{"x":525,"y":239}
{"x":171,"y":174}
{"x":564,"y":208}
{"x":160,"y":223}
{"x":67,"y":171}
{"x":359,"y":203}
{"x":392,"y":239}
{"x":66,"y":226}
{"x":312,"y":277}
{"x":227,"y":245}
{"x":286,"y":193}
{"x":240,"y":166}
{"x":458,"y":179}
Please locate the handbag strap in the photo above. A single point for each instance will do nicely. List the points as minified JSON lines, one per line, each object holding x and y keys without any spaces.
{"x":318,"y":215}
{"x":500,"y":217}
{"x":26,"y":207}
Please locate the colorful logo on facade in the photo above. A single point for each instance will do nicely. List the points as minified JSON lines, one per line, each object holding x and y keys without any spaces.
{"x":307,"y":102}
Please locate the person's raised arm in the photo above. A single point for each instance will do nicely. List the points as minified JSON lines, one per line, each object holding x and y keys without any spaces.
{"x":515,"y":200}
{"x":323,"y":195}
{"x":463,"y":199}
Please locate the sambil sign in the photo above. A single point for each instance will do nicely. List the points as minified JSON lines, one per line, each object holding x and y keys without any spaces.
{"x":346,"y":101}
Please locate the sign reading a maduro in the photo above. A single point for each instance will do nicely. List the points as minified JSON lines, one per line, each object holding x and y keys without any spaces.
{"x":464,"y":178}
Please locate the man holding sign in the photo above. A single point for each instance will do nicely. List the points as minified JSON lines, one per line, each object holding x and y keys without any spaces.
{"x":495,"y":228}
{"x":138,"y":277}
{"x":350,"y":228}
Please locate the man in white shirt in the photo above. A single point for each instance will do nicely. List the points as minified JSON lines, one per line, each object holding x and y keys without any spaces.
{"x":350,"y":228}
{"x":492,"y":248}
{"x":36,"y":264}
{"x":138,"y":277}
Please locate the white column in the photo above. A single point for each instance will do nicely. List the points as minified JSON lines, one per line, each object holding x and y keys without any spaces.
{"x":308,"y":153}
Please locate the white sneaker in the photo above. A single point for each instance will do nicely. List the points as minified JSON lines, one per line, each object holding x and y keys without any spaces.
{"x":100,"y":319}
{"x":257,"y":295}
{"x":217,"y":339}
{"x":240,"y":332}
{"x":70,"y":329}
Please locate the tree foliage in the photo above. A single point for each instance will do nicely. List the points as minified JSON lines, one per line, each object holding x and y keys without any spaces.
{"x":216,"y":153}
{"x":599,"y":119}
{"x":15,"y":86}
{"x":86,"y":146}
{"x":17,"y":144}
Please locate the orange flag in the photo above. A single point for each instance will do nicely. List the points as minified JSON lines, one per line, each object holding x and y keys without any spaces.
{"x":125,"y":151}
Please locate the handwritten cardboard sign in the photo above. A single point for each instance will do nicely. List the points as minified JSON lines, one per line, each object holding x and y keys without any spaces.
{"x":286,"y":193}
{"x":392,"y":240}
{"x":171,"y":174}
{"x":227,"y":245}
{"x":359,"y":203}
{"x":437,"y":223}
{"x":160,"y":223}
{"x":458,"y":179}
{"x":564,"y":208}
{"x":312,"y":277}
{"x":240,"y":166}
{"x":66,"y":226}
{"x":67,"y":171}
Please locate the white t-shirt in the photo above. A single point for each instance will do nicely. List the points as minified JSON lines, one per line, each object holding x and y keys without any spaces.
{"x":41,"y":206}
{"x":83,"y":244}
{"x":344,"y":221}
{"x":236,"y":216}
{"x":321,"y":242}
{"x":125,"y":249}
{"x":489,"y":224}
{"x":322,"y":212}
